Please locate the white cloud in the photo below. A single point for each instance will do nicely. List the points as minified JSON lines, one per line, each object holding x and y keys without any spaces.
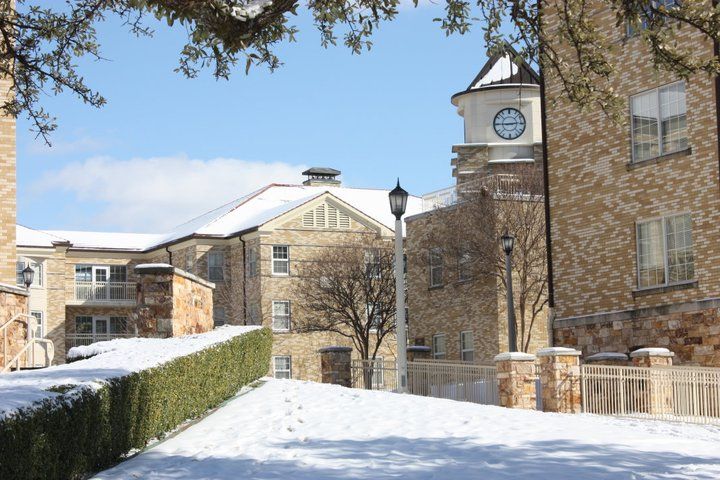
{"x":154,"y":194}
{"x":83,"y":144}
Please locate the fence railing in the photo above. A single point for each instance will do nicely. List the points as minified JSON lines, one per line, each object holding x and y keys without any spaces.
{"x":688,"y":394}
{"x":79,"y":339}
{"x":465,"y":382}
{"x":105,"y":291}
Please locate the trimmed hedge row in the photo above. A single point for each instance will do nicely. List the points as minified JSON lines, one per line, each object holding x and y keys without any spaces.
{"x":71,"y":436}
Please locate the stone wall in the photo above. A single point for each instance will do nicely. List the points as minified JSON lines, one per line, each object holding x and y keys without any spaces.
{"x":691,"y":331}
{"x":13,"y":301}
{"x":171,"y":302}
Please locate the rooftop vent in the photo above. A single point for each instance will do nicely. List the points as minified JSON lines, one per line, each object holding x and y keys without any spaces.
{"x":321,"y":176}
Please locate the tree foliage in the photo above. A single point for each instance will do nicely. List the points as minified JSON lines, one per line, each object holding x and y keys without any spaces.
{"x":41,"y":42}
{"x":349,"y":290}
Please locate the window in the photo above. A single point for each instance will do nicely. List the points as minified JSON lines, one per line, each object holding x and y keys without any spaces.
{"x":83,"y":324}
{"x":438,"y":346}
{"x":83,"y":273}
{"x":436,"y":267}
{"x":118,"y":273}
{"x":282,"y":366}
{"x":664,"y":251}
{"x":659,"y":123}
{"x":281,"y":316}
{"x":464,"y":266}
{"x":189,"y":260}
{"x":372,"y":264}
{"x":252,"y":262}
{"x":216,"y":266}
{"x":40,"y":329}
{"x":280,"y":260}
{"x":374,"y":314}
{"x":633,"y":29}
{"x":118,"y":325}
{"x":467,"y":349}
{"x":219,"y":316}
{"x":253,"y":315}
{"x":21,"y":265}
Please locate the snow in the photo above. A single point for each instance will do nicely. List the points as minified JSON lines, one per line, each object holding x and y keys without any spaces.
{"x":108,"y":240}
{"x":115,"y":358}
{"x":655,"y":352}
{"x":552,"y":351}
{"x":29,"y":237}
{"x":606,"y":356}
{"x":503,"y":69}
{"x":515,"y":356}
{"x":295,"y":430}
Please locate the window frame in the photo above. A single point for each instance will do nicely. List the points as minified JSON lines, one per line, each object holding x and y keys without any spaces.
{"x":289,"y":316}
{"x":289,"y":369}
{"x":41,"y":322}
{"x":435,"y":252}
{"x":666,"y":263}
{"x":435,"y":354}
{"x":285,"y":261}
{"x":215,"y":254}
{"x":659,"y":136}
{"x":464,"y":261}
{"x":464,"y":350}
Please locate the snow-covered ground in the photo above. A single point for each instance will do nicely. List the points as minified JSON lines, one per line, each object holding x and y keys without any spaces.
{"x":295,"y":430}
{"x":114,"y":358}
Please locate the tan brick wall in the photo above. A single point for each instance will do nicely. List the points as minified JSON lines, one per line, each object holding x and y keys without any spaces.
{"x":8,"y":192}
{"x":55,"y":274}
{"x":477,"y":305}
{"x":595,"y":198}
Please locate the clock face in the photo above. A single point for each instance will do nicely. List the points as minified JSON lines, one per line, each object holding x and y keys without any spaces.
{"x":509,"y":123}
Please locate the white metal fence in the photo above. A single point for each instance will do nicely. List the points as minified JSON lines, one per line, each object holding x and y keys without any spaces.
{"x":465,"y":382}
{"x":688,"y":394}
{"x":105,"y":291}
{"x":79,"y":339}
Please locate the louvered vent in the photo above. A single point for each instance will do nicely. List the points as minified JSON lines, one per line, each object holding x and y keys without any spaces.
{"x":326,"y":216}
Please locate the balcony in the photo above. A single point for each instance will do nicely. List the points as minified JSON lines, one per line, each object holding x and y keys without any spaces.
{"x":104,"y":293}
{"x":80,"y":339}
{"x":500,"y":186}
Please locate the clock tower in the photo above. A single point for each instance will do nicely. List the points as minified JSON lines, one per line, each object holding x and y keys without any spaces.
{"x":502,"y":117}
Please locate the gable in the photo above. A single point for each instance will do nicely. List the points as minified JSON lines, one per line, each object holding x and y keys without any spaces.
{"x":326,"y":216}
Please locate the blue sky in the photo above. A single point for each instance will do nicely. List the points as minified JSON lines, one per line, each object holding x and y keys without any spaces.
{"x":166,"y":148}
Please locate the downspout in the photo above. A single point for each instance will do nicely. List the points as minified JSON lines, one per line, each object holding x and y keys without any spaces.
{"x":546,"y":187}
{"x":244,"y":277}
{"x":167,"y":249}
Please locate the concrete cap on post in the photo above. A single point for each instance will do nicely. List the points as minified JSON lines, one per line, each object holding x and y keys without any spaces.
{"x":651,"y":352}
{"x":607,"y":357}
{"x":335,"y":349}
{"x":558,"y":352}
{"x":514,"y":357}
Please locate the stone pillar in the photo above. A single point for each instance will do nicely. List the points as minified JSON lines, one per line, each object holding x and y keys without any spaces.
{"x":418,"y":352}
{"x":516,"y":380}
{"x":656,"y":394}
{"x":560,"y":379}
{"x":335,"y":365}
{"x":608,"y":358}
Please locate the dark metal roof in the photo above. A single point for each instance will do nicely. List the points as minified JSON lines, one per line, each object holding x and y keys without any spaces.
{"x":321,"y":171}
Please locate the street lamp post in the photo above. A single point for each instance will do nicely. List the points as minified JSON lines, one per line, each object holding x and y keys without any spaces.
{"x":398,"y":204}
{"x":508,"y":242}
{"x":28,"y":276}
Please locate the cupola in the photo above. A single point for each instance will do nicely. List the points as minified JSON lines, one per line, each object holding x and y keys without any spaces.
{"x":321,"y":177}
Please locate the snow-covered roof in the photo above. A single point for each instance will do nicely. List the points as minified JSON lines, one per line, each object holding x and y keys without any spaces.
{"x":29,"y":237}
{"x":243,"y":214}
{"x":502,"y":69}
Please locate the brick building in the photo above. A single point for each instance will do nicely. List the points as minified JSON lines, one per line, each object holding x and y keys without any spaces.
{"x":249,"y":249}
{"x":459,"y":313}
{"x":634,"y":208}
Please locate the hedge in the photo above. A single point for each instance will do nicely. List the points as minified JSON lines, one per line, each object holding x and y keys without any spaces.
{"x":75,"y":434}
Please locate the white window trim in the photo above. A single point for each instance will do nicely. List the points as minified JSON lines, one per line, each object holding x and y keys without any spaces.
{"x":273,"y":316}
{"x":41,"y":322}
{"x":289,"y":357}
{"x":465,"y":350}
{"x":659,"y":120}
{"x":284,"y":260}
{"x":434,"y":352}
{"x":664,"y":246}
{"x":222,"y":266}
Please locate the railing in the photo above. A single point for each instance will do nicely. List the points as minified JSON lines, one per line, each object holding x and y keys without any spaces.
{"x":80,"y":339}
{"x":27,"y":356}
{"x":688,"y":394}
{"x":500,"y":185}
{"x":465,"y":382}
{"x":105,"y":291}
{"x":439,"y":199}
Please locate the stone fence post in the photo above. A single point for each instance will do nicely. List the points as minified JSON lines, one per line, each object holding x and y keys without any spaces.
{"x":657,"y":394}
{"x":560,"y":379}
{"x":335,"y":365}
{"x":516,"y":380}
{"x":418,"y":352}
